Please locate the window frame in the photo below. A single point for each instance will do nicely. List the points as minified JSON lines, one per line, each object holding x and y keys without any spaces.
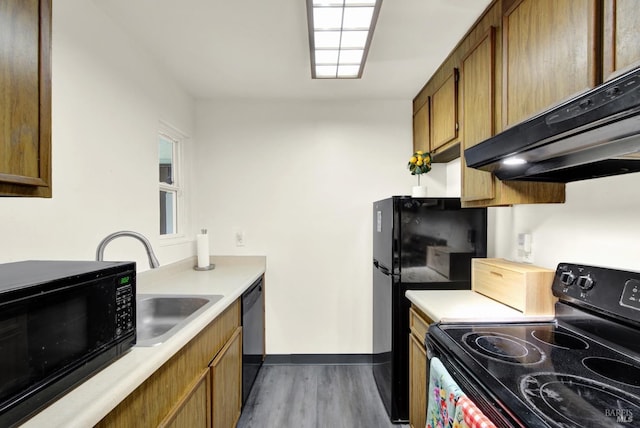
{"x":178,"y":139}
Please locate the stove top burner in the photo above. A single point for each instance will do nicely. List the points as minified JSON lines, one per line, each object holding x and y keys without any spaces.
{"x":573,"y":401}
{"x":560,"y":340}
{"x":614,"y":370}
{"x":503,"y":347}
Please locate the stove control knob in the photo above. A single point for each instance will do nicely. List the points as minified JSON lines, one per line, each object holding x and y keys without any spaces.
{"x":567,"y":278}
{"x":586,"y":282}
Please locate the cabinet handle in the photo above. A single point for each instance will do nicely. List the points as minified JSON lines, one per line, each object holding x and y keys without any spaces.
{"x":496,"y":274}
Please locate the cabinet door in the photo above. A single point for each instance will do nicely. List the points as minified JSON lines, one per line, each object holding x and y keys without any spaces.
{"x":549,"y":54}
{"x":444,"y":112}
{"x":194,"y":409}
{"x":226,"y":383}
{"x":478,"y":107}
{"x":421,"y":132}
{"x":417,"y":383}
{"x":621,"y":46}
{"x":418,"y":367}
{"x":25,"y":98}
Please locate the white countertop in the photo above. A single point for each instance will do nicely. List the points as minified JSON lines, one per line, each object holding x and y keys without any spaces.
{"x":465,"y":306}
{"x":89,"y":402}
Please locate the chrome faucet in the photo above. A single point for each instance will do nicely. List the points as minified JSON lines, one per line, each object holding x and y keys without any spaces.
{"x":153,"y":260}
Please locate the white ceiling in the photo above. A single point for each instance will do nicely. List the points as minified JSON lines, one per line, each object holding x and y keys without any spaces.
{"x":260,"y":48}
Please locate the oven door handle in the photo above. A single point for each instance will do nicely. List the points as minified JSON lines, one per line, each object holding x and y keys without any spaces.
{"x":428,"y":346}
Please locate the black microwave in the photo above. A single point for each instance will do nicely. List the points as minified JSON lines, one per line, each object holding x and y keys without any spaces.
{"x":60,"y":322}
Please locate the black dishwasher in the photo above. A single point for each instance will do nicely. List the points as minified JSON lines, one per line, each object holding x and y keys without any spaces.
{"x":252,"y":335}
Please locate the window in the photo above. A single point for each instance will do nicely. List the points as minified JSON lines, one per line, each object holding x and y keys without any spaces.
{"x":169,"y":167}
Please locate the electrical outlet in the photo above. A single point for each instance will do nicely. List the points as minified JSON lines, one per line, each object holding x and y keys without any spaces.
{"x":239,"y":238}
{"x":525,"y":251}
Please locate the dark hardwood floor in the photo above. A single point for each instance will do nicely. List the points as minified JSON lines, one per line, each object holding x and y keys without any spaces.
{"x":315,"y":396}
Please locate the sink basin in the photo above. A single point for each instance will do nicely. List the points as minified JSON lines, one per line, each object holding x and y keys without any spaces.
{"x":160,"y":316}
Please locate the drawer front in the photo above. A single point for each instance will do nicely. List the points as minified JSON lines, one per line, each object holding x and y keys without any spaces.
{"x":503,"y":285}
{"x":418,"y":324}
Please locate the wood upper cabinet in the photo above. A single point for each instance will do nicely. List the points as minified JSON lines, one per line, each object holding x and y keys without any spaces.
{"x":25,"y":98}
{"x":444,"y":112}
{"x":478,"y":114}
{"x":549,"y":54}
{"x":621,"y":37}
{"x":480,"y":109}
{"x":421,"y":131}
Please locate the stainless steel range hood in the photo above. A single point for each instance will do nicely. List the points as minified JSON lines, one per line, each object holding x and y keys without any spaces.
{"x":595,"y":134}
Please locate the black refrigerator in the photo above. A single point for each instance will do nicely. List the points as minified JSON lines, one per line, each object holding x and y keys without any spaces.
{"x":418,"y":244}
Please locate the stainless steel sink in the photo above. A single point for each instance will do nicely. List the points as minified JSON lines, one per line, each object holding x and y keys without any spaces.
{"x":160,"y":316}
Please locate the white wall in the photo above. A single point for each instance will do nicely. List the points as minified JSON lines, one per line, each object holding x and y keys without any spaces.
{"x":599,"y":224}
{"x":300,"y":178}
{"x":108,"y":98}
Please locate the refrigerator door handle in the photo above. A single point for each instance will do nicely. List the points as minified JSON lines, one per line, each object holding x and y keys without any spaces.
{"x":384,"y":270}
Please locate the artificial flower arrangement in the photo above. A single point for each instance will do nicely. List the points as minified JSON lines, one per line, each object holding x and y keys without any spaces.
{"x":420,"y":163}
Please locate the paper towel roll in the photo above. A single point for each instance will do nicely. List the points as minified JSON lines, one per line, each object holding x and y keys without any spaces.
{"x":202,"y":240}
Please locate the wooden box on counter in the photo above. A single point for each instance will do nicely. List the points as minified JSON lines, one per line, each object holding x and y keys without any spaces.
{"x":524,"y":287}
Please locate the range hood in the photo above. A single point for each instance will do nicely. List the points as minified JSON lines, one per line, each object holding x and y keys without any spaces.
{"x":595,"y":134}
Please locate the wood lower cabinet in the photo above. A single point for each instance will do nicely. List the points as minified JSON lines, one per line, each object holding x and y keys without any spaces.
{"x":418,"y":368}
{"x":226,"y":383}
{"x":25,"y":98}
{"x":194,"y":409}
{"x":621,"y":38}
{"x":183,"y":392}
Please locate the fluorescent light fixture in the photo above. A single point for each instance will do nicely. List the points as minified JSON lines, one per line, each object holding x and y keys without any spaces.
{"x":514,"y":161}
{"x":340,"y":33}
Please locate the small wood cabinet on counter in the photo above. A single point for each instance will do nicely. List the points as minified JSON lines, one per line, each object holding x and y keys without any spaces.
{"x":524,"y":287}
{"x":199,"y":387}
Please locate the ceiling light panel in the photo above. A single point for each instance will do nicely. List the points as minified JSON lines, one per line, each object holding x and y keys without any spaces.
{"x":354,"y":39}
{"x":340,"y":32}
{"x":327,"y":39}
{"x":357,"y":18}
{"x":353,"y":56}
{"x":327,"y":18}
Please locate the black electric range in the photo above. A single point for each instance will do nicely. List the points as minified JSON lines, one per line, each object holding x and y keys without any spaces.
{"x":580,"y":370}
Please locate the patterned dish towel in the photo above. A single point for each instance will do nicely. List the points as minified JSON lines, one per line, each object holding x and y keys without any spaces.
{"x":467,"y":415}
{"x":443,"y":394}
{"x":448,"y":406}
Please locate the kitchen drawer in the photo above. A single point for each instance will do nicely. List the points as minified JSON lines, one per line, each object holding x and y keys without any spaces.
{"x":418,"y":323}
{"x":524,"y":287}
{"x":453,"y":264}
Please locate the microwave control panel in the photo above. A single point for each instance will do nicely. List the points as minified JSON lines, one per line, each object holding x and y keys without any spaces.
{"x":124,"y":310}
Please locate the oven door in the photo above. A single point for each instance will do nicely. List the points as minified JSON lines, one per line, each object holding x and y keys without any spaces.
{"x":469,"y":384}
